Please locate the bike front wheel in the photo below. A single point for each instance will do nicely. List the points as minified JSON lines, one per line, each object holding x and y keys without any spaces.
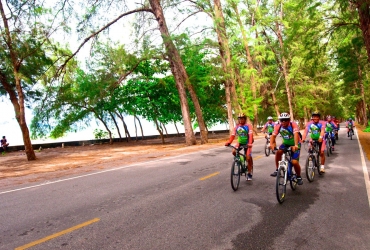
{"x":310,"y":168}
{"x":280,"y":185}
{"x":235,"y":175}
{"x":267,"y":148}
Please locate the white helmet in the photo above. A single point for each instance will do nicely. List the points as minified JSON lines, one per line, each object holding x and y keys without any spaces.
{"x":269,"y":118}
{"x":284,"y":116}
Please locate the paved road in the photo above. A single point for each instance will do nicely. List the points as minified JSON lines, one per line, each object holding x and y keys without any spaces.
{"x":186,"y":202}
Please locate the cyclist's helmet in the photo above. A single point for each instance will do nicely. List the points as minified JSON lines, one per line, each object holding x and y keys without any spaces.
{"x":283,"y":116}
{"x":316,"y":113}
{"x":350,"y":119}
{"x":241,"y":115}
{"x":269,"y":118}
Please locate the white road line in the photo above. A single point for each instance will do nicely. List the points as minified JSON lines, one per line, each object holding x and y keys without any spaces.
{"x":103,"y":171}
{"x":364,"y":167}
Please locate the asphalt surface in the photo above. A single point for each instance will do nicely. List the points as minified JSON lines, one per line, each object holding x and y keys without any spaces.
{"x":186,"y":202}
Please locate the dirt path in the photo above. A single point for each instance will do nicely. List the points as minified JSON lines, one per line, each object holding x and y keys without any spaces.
{"x":54,"y":163}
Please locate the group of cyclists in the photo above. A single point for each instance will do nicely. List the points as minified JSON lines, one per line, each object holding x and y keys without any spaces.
{"x":319,"y":129}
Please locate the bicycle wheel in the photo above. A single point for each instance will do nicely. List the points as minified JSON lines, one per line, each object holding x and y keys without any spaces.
{"x":351,"y":133}
{"x":267,"y":149}
{"x":310,"y":168}
{"x":336,"y":136}
{"x":280,"y":185}
{"x":327,"y":147}
{"x":331,"y":145}
{"x":235,"y":175}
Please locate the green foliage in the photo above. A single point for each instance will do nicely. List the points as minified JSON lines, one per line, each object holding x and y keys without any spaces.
{"x":100,"y":134}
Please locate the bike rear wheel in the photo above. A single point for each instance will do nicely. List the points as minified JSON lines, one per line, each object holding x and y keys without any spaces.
{"x":327,"y":147}
{"x":235,"y":175}
{"x":310,"y":168}
{"x":280,"y":185}
{"x":267,"y":148}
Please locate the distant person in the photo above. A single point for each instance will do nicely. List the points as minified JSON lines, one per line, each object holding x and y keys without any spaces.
{"x":4,"y":143}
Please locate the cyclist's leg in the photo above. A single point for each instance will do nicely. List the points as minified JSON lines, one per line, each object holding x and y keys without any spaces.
{"x":237,"y":146}
{"x":322,"y":155}
{"x":295,"y":163}
{"x":249,"y":159}
{"x":278,"y":155}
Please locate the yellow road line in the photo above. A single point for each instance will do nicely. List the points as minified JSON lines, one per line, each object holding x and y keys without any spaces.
{"x":209,"y":176}
{"x":257,"y":157}
{"x":57,"y":234}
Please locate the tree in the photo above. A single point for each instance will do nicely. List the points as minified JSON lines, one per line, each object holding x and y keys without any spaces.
{"x":25,"y":46}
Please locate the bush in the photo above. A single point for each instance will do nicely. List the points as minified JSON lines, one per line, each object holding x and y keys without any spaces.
{"x":100,"y":134}
{"x":367,"y":129}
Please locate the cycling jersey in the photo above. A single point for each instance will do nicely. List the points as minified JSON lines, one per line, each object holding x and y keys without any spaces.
{"x":330,"y":126}
{"x":349,"y":124}
{"x":315,"y":129}
{"x":244,"y":133}
{"x":269,"y":126}
{"x":287,"y":133}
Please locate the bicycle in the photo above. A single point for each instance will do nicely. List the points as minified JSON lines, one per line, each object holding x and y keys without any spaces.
{"x":351,"y":132}
{"x":313,"y":160}
{"x":239,"y":167}
{"x":267,"y":145}
{"x":285,"y":173}
{"x":329,"y":143}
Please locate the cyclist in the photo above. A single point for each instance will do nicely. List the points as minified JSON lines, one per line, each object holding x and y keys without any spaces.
{"x":289,"y":132}
{"x":329,"y":130}
{"x":245,"y":137}
{"x":269,"y":126}
{"x":317,"y":129}
{"x":349,"y":126}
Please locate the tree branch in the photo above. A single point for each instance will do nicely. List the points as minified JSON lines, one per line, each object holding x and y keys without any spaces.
{"x":99,"y":31}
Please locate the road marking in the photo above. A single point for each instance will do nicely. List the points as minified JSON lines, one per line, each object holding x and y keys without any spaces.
{"x":257,"y":157}
{"x":364,"y":168}
{"x":58,"y":234}
{"x":209,"y":176}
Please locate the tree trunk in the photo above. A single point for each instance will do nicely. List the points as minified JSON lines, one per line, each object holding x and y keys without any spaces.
{"x":363,"y":7}
{"x":284,"y":66}
{"x":160,"y":131}
{"x":141,"y":127}
{"x":18,"y":102}
{"x":250,"y":64}
{"x":177,"y":69}
{"x":115,"y":123}
{"x":363,"y":101}
{"x":177,"y":130}
{"x":231,"y":99}
{"x":106,"y":127}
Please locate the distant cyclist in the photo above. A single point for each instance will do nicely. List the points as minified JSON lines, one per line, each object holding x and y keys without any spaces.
{"x":269,"y":126}
{"x":245,"y":137}
{"x":330,"y":128}
{"x":289,"y":132}
{"x":317,"y":129}
{"x":349,"y":125}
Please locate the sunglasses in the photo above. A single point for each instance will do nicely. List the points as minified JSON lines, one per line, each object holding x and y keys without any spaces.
{"x":285,"y":120}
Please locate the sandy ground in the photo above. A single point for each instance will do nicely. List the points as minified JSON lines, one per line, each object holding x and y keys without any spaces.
{"x":59,"y":162}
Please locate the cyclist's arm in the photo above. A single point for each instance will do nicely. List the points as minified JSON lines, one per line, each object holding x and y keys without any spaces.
{"x":250,"y":135}
{"x":305,"y":132}
{"x":323,"y":128}
{"x":264,"y":127}
{"x":232,"y":137}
